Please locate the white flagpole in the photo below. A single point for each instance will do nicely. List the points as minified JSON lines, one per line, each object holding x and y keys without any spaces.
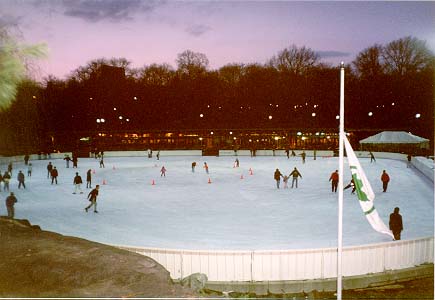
{"x":340,"y":185}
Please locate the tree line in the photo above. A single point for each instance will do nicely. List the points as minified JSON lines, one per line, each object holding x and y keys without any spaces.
{"x":387,"y":87}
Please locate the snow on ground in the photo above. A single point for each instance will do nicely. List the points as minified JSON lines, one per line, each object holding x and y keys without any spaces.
{"x":184,"y":211}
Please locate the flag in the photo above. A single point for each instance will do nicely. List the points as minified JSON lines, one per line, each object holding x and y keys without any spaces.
{"x":365,"y":192}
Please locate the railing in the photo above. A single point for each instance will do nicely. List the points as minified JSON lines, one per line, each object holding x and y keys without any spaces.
{"x":301,"y":264}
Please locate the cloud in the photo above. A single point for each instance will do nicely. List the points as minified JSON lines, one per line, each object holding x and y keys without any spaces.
{"x":325,"y":54}
{"x":198,"y":29}
{"x":112,"y":10}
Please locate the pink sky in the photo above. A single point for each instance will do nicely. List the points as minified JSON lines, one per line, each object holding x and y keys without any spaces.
{"x":148,"y":32}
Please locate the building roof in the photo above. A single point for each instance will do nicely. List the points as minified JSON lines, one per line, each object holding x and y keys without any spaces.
{"x":394,"y":137}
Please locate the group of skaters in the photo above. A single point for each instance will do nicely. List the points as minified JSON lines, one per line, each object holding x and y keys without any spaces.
{"x":294,"y":175}
{"x":7,"y":175}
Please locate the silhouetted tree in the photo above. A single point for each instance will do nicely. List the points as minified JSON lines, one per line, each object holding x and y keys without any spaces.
{"x":368,"y":63}
{"x":294,"y":60}
{"x":192,"y":63}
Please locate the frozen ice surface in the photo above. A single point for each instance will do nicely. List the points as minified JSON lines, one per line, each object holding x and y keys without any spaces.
{"x":184,"y":211}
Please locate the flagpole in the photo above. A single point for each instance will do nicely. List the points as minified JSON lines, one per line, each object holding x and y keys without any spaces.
{"x":340,"y":185}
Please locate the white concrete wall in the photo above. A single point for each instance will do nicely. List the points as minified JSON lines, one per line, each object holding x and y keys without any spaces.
{"x":301,"y":264}
{"x":424,"y":165}
{"x":4,"y":160}
{"x":144,"y":153}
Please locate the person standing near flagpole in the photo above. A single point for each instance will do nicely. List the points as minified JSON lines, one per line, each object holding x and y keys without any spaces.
{"x":334,"y":179}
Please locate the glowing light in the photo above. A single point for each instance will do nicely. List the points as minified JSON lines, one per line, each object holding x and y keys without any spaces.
{"x":234,"y":138}
{"x":392,"y":104}
{"x":313,"y":114}
{"x":231,"y":132}
{"x":304,"y":138}
{"x":417,"y":116}
{"x":299,"y":133}
{"x":98,"y":120}
{"x":102,"y":120}
{"x":114,"y":108}
{"x":276,"y":138}
{"x":128,"y":120}
{"x":211,"y":133}
{"x":337,"y":117}
{"x":370,"y":114}
{"x":201,"y":115}
{"x":120,"y":117}
{"x":270,"y":117}
{"x":134,"y":98}
{"x":200,"y":138}
{"x":34,"y":97}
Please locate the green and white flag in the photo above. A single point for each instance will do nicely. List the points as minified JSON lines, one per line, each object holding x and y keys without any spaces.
{"x":365,"y":192}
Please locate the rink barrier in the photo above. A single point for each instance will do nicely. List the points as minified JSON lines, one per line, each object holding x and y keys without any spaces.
{"x":4,"y":160}
{"x":291,"y":265}
{"x":145,"y":153}
{"x":309,"y":153}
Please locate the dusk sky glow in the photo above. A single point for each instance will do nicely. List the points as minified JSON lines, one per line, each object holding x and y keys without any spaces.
{"x":146,"y":32}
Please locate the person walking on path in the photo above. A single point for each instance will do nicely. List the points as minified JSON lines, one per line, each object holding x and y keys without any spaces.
{"x":396,"y":225}
{"x":6,"y":179}
{"x":10,"y":202}
{"x":408,"y":163}
{"x":92,"y":196}
{"x":88,"y":178}
{"x":29,"y":170}
{"x":20,"y":178}
{"x":277,"y":176}
{"x":54,"y":175}
{"x":385,"y":178}
{"x":193,"y":166}
{"x":77,"y":183}
{"x":49,"y":168}
{"x":352,"y":185}
{"x":334,"y":181}
{"x":295,"y":174}
{"x":163,"y":172}
{"x":372,"y":157}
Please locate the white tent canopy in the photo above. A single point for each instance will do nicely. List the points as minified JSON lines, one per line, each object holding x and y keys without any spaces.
{"x":395,"y":138}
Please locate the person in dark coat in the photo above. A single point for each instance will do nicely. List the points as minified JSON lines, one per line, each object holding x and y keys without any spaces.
{"x":77,"y":183}
{"x":334,"y":180}
{"x":92,"y":196}
{"x":352,"y":185}
{"x":88,"y":178}
{"x":49,"y":168}
{"x":193,"y":166}
{"x":67,"y":159}
{"x":54,"y":175}
{"x":26,"y":159}
{"x":385,"y":178}
{"x":277,"y":176}
{"x":75,"y":160}
{"x":20,"y":178}
{"x":6,"y":179}
{"x":101,"y":162}
{"x":10,"y":202}
{"x":372,"y":157}
{"x":408,"y":163}
{"x":295,"y":174}
{"x":396,"y":225}
{"x":10,"y":168}
{"x":303,"y":154}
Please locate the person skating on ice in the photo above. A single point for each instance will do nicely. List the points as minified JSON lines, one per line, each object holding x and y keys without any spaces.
{"x":372,"y":157}
{"x":49,"y":168}
{"x":6,"y":179}
{"x":303,"y":155}
{"x":193,"y":166}
{"x":352,"y":185}
{"x":295,"y":174}
{"x":67,"y":159}
{"x":396,"y":225}
{"x":29,"y":170}
{"x":54,"y":174}
{"x":206,"y":167}
{"x":88,"y":178}
{"x":20,"y":178}
{"x":101,"y":162}
{"x":92,"y":197}
{"x":77,"y":183}
{"x":334,"y":180}
{"x":163,"y":172}
{"x":277,"y":176}
{"x":385,"y":178}
{"x":10,"y":202}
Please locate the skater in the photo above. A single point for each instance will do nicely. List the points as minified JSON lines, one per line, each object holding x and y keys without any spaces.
{"x":277,"y":176}
{"x":334,"y":181}
{"x":158,"y":155}
{"x":293,"y":154}
{"x":150,"y":153}
{"x":29,"y":170}
{"x":75,"y":161}
{"x":67,"y":159}
{"x":163,"y":172}
{"x":396,"y":225}
{"x":88,"y":178}
{"x":295,"y":173}
{"x":315,"y":154}
{"x":49,"y":168}
{"x":351,"y":184}
{"x":206,"y":167}
{"x":408,"y":163}
{"x":20,"y":178}
{"x":285,"y":180}
{"x":10,"y":168}
{"x":77,"y":183}
{"x":101,"y":162}
{"x":1,"y":179}
{"x":6,"y":179}
{"x":10,"y":202}
{"x":303,"y":155}
{"x":54,"y":175}
{"x":385,"y":178}
{"x":193,"y":166}
{"x":287,"y":152}
{"x":372,"y":157}
{"x":26,"y":159}
{"x":92,"y":196}
{"x":237,"y":163}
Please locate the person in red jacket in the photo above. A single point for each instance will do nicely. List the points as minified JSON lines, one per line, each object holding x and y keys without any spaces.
{"x":334,"y":178}
{"x":385,"y":179}
{"x":54,"y":175}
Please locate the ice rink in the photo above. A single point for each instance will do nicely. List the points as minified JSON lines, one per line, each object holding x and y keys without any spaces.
{"x":184,"y":211}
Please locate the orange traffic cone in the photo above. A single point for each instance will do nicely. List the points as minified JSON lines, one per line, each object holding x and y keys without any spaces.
{"x":153,"y":183}
{"x":209,"y":180}
{"x":104,"y":182}
{"x":241,"y":176}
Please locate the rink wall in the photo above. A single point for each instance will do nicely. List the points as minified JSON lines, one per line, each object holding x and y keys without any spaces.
{"x":145,"y":153}
{"x":291,"y":265}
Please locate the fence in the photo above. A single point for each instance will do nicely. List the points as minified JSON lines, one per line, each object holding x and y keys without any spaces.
{"x":283,"y":265}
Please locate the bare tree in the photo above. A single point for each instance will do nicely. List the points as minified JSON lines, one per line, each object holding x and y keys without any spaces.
{"x":294,"y":60}
{"x":406,"y":55}
{"x":192,"y":63}
{"x":368,"y":62}
{"x":156,"y":74}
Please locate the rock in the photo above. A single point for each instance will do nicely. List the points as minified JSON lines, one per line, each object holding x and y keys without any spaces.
{"x":195,"y":281}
